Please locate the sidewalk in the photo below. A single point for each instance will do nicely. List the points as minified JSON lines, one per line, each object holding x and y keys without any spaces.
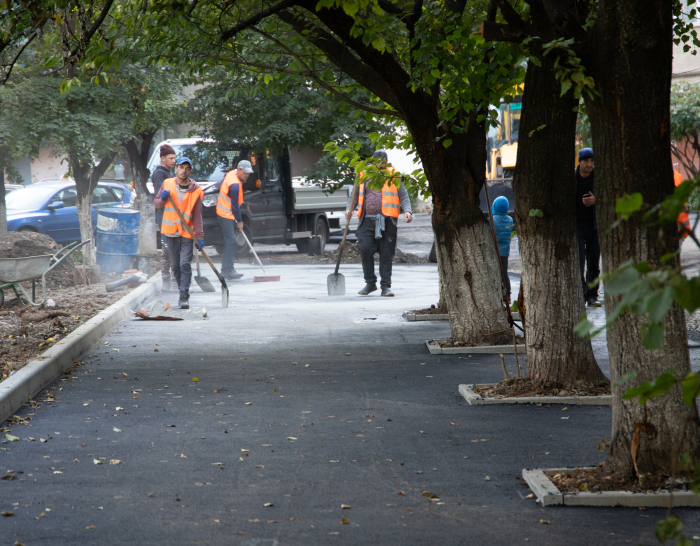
{"x":281,"y":414}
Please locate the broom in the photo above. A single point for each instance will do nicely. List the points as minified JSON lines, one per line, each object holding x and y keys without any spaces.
{"x":266,"y":278}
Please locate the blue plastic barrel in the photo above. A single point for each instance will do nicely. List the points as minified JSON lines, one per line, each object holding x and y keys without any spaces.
{"x":117,"y":238}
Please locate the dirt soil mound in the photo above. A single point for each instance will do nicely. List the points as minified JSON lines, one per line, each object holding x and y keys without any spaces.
{"x":596,"y":480}
{"x":516,"y":387}
{"x":22,"y":244}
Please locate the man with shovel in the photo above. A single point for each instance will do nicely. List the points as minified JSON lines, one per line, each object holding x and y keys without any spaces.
{"x":378,"y":212}
{"x":228,"y":214}
{"x":186,"y":194}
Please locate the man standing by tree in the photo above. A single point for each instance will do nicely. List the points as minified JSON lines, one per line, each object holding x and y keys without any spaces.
{"x":588,"y":245}
{"x":186,"y":195}
{"x":228,"y":213}
{"x":163,"y":171}
{"x":378,"y":212}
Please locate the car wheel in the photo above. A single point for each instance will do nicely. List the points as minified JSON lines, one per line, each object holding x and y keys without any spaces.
{"x":318,"y":243}
{"x":242,"y":248}
{"x":28,"y":228}
{"x":219,"y":249}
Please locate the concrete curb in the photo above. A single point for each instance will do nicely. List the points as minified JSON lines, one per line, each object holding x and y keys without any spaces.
{"x":412,"y":317}
{"x":435,"y":349}
{"x":548,"y":494}
{"x":20,"y":387}
{"x":473,"y":398}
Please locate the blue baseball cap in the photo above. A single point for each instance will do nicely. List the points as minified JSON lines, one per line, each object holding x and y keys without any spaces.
{"x":184,"y":160}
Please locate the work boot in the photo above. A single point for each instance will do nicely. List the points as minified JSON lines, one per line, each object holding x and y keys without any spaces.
{"x":593,"y":302}
{"x":234,"y":275}
{"x":386,"y":292}
{"x":184,"y":302}
{"x":369,"y":287}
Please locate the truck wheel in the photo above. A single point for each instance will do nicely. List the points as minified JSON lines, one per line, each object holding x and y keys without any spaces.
{"x":242,"y":248}
{"x":318,"y":243}
{"x":303,"y":246}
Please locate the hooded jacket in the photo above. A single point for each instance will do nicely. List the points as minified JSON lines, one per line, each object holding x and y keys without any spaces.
{"x":503,"y":224}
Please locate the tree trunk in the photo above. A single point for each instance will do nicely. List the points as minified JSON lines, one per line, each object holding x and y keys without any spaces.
{"x":3,"y":205}
{"x":138,"y":161}
{"x":86,"y":178}
{"x":630,"y":60}
{"x":551,"y":281}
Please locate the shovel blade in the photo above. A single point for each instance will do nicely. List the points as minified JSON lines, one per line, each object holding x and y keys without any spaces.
{"x":336,"y":284}
{"x":204,"y":284}
{"x":224,"y":296}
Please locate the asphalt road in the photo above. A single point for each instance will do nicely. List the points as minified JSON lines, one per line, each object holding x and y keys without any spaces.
{"x":255,"y":426}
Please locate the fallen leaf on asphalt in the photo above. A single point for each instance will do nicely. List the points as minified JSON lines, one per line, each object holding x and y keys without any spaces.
{"x":345,"y":506}
{"x":453,"y":423}
{"x":423,"y":432}
{"x":86,"y":404}
{"x":400,"y":493}
{"x":42,"y":440}
{"x":268,"y":505}
{"x":345,"y":521}
{"x":119,"y":408}
{"x":96,"y":461}
{"x":348,"y":354}
{"x":31,"y":439}
{"x":150,"y":494}
{"x":291,"y":438}
{"x":565,"y":417}
{"x":12,"y":438}
{"x":183,"y":456}
{"x":429,"y":495}
{"x":116,"y":351}
{"x":115,"y":429}
{"x":488,"y":478}
{"x":259,"y":466}
{"x":90,"y":527}
{"x":306,"y":365}
{"x":217,"y":390}
{"x":545,"y":521}
{"x":215,"y":520}
{"x":57,"y":472}
{"x":248,"y":403}
{"x":419,"y":471}
{"x":7,"y":514}
{"x":114,"y":461}
{"x":195,"y":379}
{"x":529,"y":496}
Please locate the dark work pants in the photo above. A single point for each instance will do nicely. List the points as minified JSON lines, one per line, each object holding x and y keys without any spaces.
{"x":369,"y":245}
{"x":504,"y":265}
{"x":165,"y":262}
{"x":228,"y":230}
{"x":589,"y":257}
{"x":180,"y":250}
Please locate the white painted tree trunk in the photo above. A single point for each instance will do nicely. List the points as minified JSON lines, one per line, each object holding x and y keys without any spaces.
{"x":86,"y":231}
{"x":470,"y":275}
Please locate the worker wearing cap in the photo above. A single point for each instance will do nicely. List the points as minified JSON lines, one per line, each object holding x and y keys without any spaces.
{"x":228,"y":212}
{"x":161,"y":172}
{"x":378,"y":212}
{"x":186,"y":194}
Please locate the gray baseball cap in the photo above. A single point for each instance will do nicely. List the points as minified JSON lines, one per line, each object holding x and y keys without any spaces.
{"x":245,"y":166}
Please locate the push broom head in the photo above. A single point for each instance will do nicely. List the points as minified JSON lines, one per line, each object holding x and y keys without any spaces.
{"x":266,"y":279}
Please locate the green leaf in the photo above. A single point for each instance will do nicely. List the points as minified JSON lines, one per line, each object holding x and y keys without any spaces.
{"x":447,"y":143}
{"x":647,"y":390}
{"x":659,"y":304}
{"x":691,"y":383}
{"x":668,"y":529}
{"x":628,"y":204}
{"x":653,"y":335}
{"x":536,"y":213}
{"x":584,"y":327}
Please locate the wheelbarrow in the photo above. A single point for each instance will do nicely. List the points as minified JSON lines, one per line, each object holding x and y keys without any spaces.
{"x":16,"y":270}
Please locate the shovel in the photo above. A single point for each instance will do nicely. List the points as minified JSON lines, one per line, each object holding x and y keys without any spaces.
{"x":224,"y":286}
{"x":266,"y":278}
{"x":202,"y":282}
{"x":336,"y":281}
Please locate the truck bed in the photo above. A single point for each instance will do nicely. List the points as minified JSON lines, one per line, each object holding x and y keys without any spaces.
{"x":314,"y":198}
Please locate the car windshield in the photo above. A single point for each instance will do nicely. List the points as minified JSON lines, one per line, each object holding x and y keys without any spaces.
{"x":209,"y":165}
{"x":28,"y":198}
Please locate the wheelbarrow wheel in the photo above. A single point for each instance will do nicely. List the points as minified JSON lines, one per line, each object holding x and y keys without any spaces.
{"x":2,"y":297}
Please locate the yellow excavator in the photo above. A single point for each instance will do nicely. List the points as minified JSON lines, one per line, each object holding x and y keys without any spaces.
{"x":504,"y":144}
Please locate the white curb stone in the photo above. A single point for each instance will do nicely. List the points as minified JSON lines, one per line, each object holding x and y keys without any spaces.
{"x":548,"y":494}
{"x":412,"y":317}
{"x":20,"y":387}
{"x":473,"y":398}
{"x":435,"y":349}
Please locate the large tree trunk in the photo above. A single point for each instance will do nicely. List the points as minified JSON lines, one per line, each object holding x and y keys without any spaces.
{"x":551,"y":282}
{"x":138,"y":161}
{"x":630,"y":60}
{"x":3,"y":205}
{"x":86,"y":178}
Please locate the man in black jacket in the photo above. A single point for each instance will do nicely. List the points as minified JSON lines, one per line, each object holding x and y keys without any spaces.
{"x":587,"y":231}
{"x":161,"y":172}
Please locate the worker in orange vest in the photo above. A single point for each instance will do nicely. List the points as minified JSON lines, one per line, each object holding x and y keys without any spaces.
{"x":683,"y":219}
{"x":228,"y":212}
{"x":378,"y":212}
{"x":187,"y":196}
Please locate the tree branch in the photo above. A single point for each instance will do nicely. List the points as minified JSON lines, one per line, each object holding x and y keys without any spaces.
{"x":85,"y":38}
{"x":255,"y":19}
{"x":310,"y":73}
{"x":14,"y":61}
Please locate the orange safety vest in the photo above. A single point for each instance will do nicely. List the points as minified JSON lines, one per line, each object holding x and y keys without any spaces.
{"x":683,"y":219}
{"x":391,"y":205}
{"x":171,"y":221}
{"x":223,"y":205}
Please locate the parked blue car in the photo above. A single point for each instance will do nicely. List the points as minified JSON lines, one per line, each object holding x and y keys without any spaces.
{"x":49,"y":207}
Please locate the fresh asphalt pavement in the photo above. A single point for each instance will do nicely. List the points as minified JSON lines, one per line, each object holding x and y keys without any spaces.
{"x":253,"y":427}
